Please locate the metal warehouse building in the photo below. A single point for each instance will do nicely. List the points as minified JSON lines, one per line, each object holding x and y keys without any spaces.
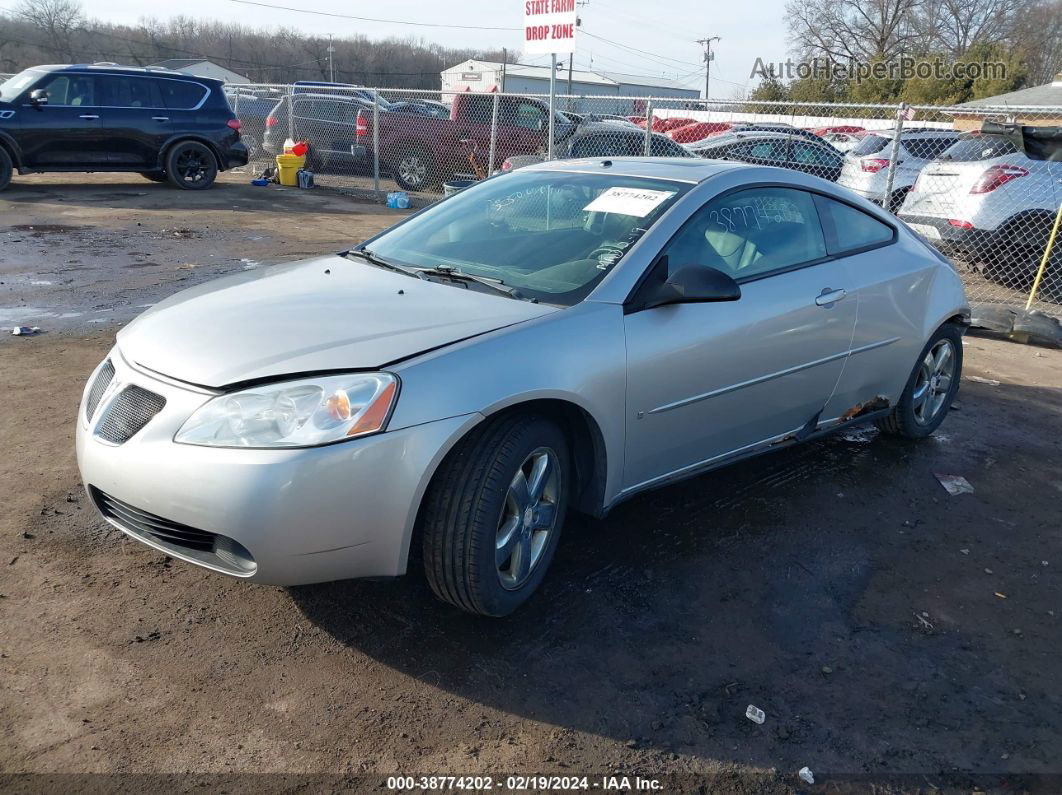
{"x":483,"y":76}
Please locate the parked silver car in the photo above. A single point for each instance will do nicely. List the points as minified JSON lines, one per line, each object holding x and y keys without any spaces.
{"x":559,"y":338}
{"x":866,"y":165}
{"x":987,"y":202}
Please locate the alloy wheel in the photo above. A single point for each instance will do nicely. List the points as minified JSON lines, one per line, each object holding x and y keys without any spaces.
{"x":192,"y":166}
{"x":412,"y":170}
{"x":528,"y":517}
{"x":933,"y":383}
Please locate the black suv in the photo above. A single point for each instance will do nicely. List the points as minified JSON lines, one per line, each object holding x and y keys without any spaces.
{"x":159,"y":123}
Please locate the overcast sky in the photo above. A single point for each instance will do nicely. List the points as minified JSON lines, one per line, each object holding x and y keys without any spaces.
{"x":748,"y":29}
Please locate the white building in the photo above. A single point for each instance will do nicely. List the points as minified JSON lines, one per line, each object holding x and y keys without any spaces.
{"x":485,"y":76}
{"x":201,"y":68}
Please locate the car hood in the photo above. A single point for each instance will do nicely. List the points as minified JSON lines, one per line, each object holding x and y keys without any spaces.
{"x":328,"y":313}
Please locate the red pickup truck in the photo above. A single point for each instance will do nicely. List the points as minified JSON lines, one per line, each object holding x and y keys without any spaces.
{"x":422,"y":151}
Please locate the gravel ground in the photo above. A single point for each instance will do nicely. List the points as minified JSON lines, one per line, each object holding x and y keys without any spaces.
{"x":894,"y":635}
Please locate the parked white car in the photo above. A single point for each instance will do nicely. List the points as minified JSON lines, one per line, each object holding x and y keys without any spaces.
{"x":866,"y":167}
{"x":986,"y":202}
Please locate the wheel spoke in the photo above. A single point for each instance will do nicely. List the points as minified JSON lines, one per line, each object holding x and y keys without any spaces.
{"x":920,"y":394}
{"x":518,"y":493}
{"x":541,"y":470}
{"x":521,"y":561}
{"x":508,"y":536}
{"x":942,"y":358}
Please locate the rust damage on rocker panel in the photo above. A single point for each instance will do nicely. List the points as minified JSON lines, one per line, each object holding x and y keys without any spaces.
{"x":859,"y":409}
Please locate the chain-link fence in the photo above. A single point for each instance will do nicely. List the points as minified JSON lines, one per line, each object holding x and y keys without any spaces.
{"x":977,"y":197}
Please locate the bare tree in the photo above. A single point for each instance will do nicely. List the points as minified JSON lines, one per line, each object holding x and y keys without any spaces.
{"x":951,"y":26}
{"x":857,"y":30}
{"x":56,"y":20}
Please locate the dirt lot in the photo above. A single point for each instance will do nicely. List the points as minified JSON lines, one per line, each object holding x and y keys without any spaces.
{"x":891,"y":632}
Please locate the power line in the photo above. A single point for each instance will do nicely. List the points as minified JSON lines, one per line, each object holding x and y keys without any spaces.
{"x":370,"y":19}
{"x":651,"y":56}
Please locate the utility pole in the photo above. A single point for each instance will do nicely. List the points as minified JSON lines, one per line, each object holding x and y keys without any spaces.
{"x":709,"y":56}
{"x":571,"y":56}
{"x":331,"y":65}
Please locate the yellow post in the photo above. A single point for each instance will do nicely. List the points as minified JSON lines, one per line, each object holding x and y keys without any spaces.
{"x":1043,"y":262}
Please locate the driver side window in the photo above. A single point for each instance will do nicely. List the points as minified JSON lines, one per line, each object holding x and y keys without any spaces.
{"x":750,"y":233}
{"x":71,"y":91}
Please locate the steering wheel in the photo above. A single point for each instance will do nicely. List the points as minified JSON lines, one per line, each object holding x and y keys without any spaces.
{"x":608,"y":252}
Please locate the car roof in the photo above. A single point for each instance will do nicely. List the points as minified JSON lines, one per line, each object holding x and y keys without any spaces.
{"x":118,"y":69}
{"x":339,"y":97}
{"x":926,"y":133}
{"x":676,"y":169}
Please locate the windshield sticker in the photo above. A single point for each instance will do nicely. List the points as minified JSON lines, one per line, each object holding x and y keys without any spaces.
{"x":629,"y":201}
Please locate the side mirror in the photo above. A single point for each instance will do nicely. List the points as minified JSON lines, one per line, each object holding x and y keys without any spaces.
{"x":694,"y":284}
{"x":38,"y":97}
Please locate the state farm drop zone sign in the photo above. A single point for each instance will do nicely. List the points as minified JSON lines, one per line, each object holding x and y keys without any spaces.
{"x":549,"y":26}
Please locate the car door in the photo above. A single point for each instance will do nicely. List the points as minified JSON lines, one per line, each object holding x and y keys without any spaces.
{"x":64,"y":133}
{"x":891,"y":291}
{"x":133,"y":120}
{"x":709,"y":380}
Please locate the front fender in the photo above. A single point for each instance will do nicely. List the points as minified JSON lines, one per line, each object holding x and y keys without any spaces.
{"x":576,"y":355}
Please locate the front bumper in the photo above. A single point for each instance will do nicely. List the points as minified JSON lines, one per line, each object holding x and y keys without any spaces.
{"x":298,"y":516}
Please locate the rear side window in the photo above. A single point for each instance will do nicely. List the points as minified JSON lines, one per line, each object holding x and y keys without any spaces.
{"x":750,"y":234}
{"x":849,"y":228}
{"x":870,"y":145}
{"x":182,"y":95}
{"x":927,"y":148}
{"x":978,"y":146}
{"x":610,"y":145}
{"x":665,"y":147}
{"x":116,"y":91}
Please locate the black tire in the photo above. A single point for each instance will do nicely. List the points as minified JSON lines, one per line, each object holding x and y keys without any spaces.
{"x":414,"y":170}
{"x":896,"y":200}
{"x":470,"y":504}
{"x":155,"y":176}
{"x":908,"y":418}
{"x":7,"y":168}
{"x":191,"y":165}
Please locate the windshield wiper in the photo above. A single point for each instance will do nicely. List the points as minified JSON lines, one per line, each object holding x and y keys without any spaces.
{"x":450,"y":272}
{"x":368,"y":256}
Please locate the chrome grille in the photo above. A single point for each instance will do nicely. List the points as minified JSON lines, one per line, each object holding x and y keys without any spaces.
{"x":148,"y":524}
{"x":127,"y":413}
{"x":99,"y":386}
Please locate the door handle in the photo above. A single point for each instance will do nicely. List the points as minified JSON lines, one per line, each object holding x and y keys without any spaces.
{"x":89,"y":116}
{"x":160,"y":118}
{"x":829,"y":297}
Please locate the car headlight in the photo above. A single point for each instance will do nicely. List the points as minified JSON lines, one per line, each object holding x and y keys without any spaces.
{"x":303,"y":413}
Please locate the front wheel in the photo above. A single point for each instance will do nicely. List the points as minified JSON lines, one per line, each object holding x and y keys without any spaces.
{"x":931,"y":388}
{"x":191,"y":165}
{"x":494,"y":513}
{"x":7,"y":168}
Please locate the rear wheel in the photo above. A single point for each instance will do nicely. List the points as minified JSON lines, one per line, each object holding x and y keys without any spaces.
{"x":413,"y":170}
{"x":930,"y":389}
{"x":494,"y":513}
{"x":7,"y":168}
{"x":191,"y":165}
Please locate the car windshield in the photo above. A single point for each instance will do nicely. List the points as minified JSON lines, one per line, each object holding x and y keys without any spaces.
{"x":14,"y":86}
{"x":552,"y":236}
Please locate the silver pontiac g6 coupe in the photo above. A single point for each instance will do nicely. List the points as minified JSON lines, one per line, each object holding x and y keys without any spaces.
{"x":551,"y":340}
